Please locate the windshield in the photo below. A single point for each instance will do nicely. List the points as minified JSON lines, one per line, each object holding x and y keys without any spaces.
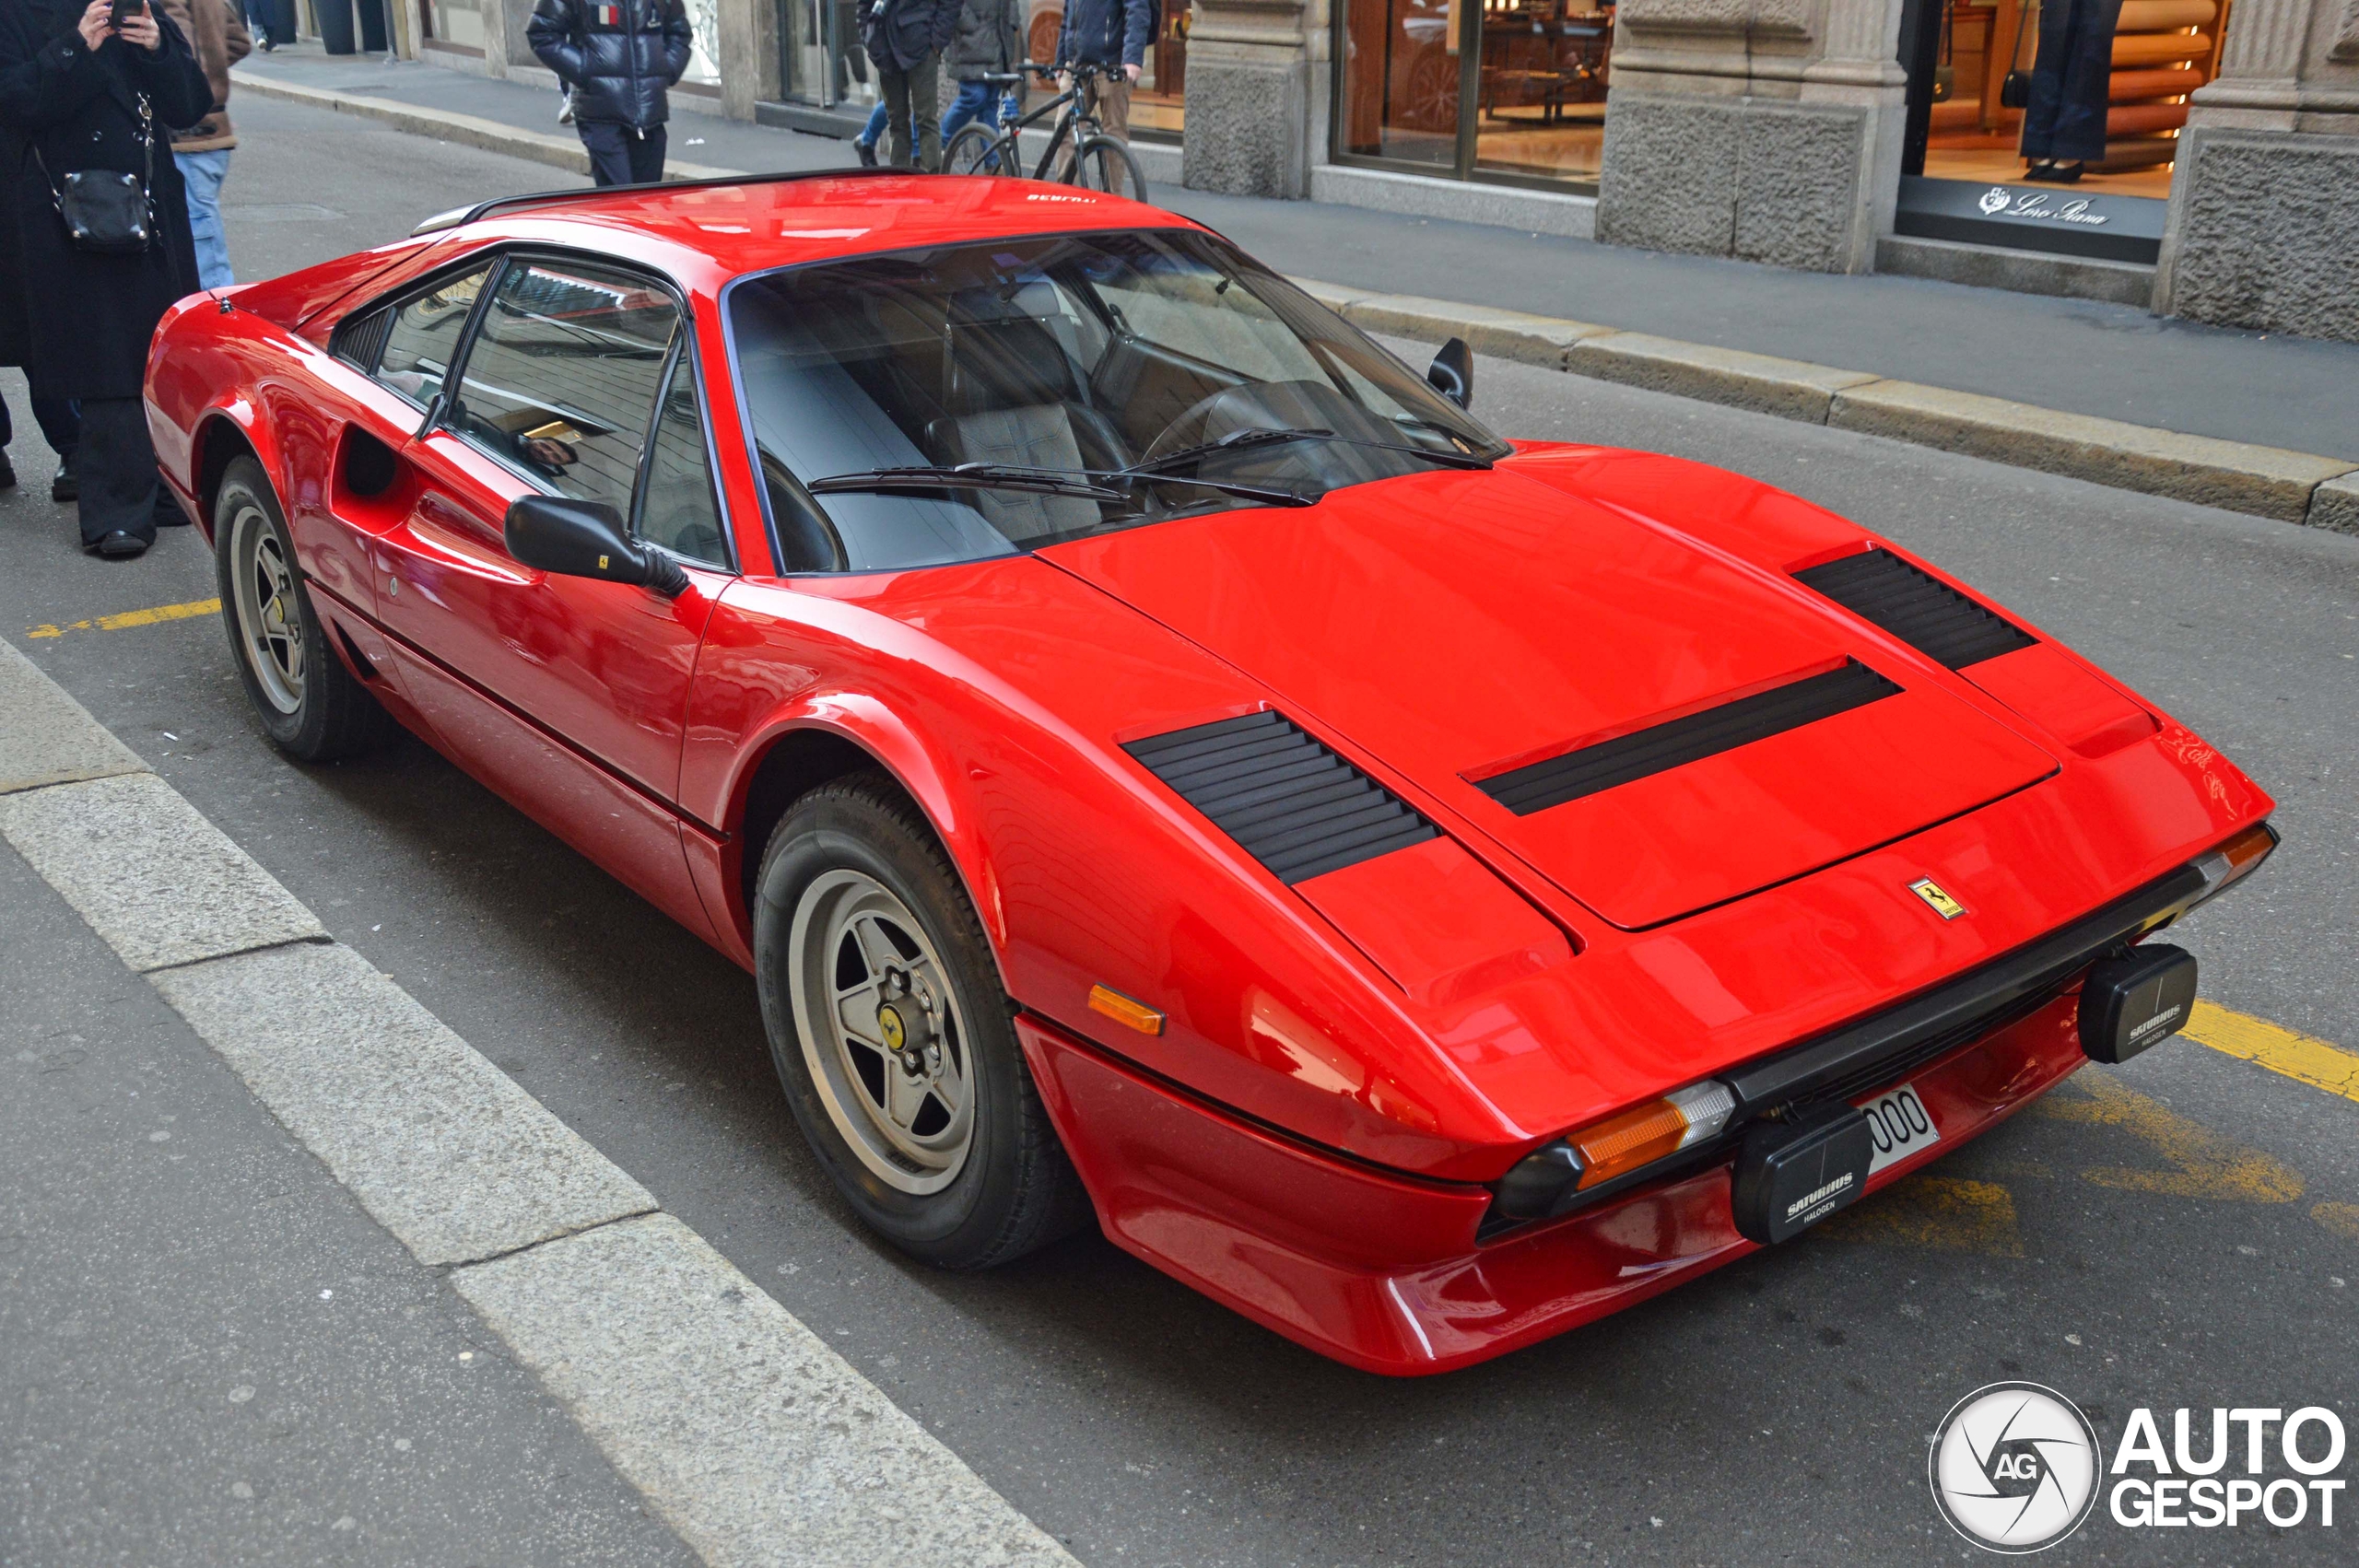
{"x":1068,"y":364}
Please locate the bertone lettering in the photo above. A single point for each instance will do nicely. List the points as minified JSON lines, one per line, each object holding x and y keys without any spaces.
{"x":1829,"y":1190}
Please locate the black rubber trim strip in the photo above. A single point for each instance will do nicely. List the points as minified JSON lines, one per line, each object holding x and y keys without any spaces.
{"x":1289,"y":802}
{"x":1959,"y":1011}
{"x":1661,"y":748}
{"x":1922,"y":611}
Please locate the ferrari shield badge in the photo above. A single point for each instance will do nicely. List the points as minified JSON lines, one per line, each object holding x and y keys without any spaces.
{"x":1936,"y":899}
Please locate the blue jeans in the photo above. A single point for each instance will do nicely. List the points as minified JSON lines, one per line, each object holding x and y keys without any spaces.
{"x":203,"y":172}
{"x":976,"y":101}
{"x":874,"y":130}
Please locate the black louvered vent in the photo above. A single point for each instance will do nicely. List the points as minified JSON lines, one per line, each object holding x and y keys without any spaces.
{"x":1661,"y":747}
{"x":362,"y":343}
{"x":1289,"y":802}
{"x":1930,"y":616}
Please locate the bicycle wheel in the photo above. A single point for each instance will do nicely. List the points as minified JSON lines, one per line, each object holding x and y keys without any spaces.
{"x":1105,"y":164}
{"x":976,"y":149}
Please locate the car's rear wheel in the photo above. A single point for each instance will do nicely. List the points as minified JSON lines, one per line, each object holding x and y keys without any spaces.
{"x":310,"y":704}
{"x":892,"y":1038}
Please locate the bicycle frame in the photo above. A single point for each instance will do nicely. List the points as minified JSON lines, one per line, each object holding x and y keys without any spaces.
{"x":1077,"y":123}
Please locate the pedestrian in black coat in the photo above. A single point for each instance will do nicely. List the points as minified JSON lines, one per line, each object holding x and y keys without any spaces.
{"x":906,"y":39}
{"x":70,"y":87}
{"x":621,"y":57}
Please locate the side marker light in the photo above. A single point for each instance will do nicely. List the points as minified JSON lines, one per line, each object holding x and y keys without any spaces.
{"x":1128,"y":1012}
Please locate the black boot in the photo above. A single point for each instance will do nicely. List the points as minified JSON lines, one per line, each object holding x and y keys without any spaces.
{"x":64,"y":488}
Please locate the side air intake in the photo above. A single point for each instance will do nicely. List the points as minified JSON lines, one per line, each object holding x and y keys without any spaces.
{"x":1289,"y":801}
{"x":1930,"y":616}
{"x":1661,"y":748}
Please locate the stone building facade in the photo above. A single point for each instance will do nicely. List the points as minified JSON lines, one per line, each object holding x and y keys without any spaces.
{"x":1793,"y":133}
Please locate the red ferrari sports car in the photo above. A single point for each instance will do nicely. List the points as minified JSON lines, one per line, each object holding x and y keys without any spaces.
{"x":1165,"y":762}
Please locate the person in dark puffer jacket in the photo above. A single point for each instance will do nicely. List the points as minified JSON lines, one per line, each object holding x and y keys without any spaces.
{"x":621,"y":57}
{"x":989,"y":41}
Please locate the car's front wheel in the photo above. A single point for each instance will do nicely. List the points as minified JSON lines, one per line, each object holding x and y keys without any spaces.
{"x":310,"y":704}
{"x":892,"y":1038}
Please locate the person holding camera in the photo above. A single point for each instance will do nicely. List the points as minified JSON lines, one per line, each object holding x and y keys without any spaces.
{"x":91,"y":93}
{"x":619,"y":61}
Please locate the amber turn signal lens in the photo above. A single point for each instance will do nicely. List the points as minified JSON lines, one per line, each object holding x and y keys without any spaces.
{"x":2239,"y":855}
{"x":1644,"y":1133}
{"x":1125,"y":1011}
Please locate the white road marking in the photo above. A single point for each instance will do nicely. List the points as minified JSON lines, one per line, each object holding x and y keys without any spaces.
{"x":751,"y":1438}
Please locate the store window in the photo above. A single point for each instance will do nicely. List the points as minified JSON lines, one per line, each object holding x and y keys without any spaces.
{"x":1513,"y":90}
{"x":1159,"y":105}
{"x":456,"y":23}
{"x":2160,"y":51}
{"x":821,"y":59}
{"x":704,"y":39}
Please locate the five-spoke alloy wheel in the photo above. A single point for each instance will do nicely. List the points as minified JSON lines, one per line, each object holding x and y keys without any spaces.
{"x":892,"y":1036}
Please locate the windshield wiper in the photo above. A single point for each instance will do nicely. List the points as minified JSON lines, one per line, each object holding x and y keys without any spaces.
{"x":1262,"y":436}
{"x":1250,"y":492}
{"x":966,"y":477}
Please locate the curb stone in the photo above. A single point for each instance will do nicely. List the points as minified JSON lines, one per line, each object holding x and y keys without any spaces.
{"x":2335,"y":504}
{"x":2241,"y":476}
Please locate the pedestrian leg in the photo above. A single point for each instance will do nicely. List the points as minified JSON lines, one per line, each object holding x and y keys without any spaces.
{"x":973,"y":102}
{"x":116,"y":467}
{"x":203,"y":172}
{"x":898,"y":139}
{"x":646,"y":149}
{"x":608,"y":146}
{"x":925,"y":112}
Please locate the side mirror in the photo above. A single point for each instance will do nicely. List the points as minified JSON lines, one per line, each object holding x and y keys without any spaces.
{"x":557,"y":533}
{"x":1452,"y":373}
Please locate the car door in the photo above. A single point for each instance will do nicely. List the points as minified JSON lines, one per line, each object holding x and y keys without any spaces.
{"x":566,"y":694}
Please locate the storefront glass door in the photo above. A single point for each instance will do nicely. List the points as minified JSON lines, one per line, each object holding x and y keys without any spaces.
{"x":1509,"y":91}
{"x":821,"y":59}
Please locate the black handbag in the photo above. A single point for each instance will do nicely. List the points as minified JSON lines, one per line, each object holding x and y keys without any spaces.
{"x":108,"y":212}
{"x":2015,"y":91}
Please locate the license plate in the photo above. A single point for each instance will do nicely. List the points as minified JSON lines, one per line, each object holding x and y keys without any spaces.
{"x":1899,"y":1126}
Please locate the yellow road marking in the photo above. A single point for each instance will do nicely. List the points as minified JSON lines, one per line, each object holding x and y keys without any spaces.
{"x":2204,"y":1164}
{"x":1946,"y":1212}
{"x":132,"y":618}
{"x":2298,"y":1057}
{"x":2342,"y":1219}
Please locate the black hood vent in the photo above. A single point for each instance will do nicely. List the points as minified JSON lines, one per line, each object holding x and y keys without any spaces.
{"x":1289,"y":801}
{"x":1928,"y":615}
{"x":1661,"y":748}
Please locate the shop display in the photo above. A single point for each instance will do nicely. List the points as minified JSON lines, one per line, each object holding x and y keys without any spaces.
{"x":1539,"y":76}
{"x":2160,"y":51}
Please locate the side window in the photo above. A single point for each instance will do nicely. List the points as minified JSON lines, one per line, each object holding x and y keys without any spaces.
{"x":424,"y":335}
{"x":560,"y":384}
{"x":676,"y":507}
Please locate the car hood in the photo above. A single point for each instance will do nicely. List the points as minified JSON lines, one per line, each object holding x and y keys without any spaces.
{"x":1461,"y":627}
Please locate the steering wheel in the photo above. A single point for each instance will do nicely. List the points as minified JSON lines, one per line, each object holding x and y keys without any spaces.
{"x":1197,"y":416}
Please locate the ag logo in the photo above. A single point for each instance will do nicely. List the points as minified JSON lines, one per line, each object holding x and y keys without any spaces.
{"x":2014,"y":1468}
{"x":1996,"y":198}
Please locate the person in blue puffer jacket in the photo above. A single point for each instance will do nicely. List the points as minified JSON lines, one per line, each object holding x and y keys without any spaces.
{"x":1111,"y":33}
{"x":621,"y":57}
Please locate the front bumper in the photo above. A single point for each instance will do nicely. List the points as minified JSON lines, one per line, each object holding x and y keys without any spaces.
{"x":1383,"y":1272}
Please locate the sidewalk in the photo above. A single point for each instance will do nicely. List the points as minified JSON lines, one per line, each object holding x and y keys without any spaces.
{"x":2077,"y":356}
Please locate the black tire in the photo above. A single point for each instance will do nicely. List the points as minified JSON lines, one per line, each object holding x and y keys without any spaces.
{"x":976,"y":149}
{"x":323,"y":713}
{"x":1105,"y":164}
{"x":1014,"y":1189}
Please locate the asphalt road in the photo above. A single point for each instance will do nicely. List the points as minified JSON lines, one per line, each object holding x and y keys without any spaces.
{"x":2164,"y":1235}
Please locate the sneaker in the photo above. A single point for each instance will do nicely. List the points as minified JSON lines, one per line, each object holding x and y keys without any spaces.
{"x":867,"y":153}
{"x":64,"y":487}
{"x":565,"y":111}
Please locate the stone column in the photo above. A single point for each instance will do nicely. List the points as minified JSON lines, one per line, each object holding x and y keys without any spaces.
{"x":2264,"y":220}
{"x":1766,"y":130}
{"x":1249,"y":97}
{"x":746,"y":53}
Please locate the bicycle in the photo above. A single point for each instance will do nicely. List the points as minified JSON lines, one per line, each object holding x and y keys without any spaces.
{"x":1098,"y":162}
